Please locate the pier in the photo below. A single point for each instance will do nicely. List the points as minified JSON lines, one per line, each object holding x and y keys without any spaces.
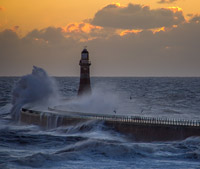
{"x":137,"y":128}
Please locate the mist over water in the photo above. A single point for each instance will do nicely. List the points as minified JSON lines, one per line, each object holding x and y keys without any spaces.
{"x":92,"y":144}
{"x":100,"y":101}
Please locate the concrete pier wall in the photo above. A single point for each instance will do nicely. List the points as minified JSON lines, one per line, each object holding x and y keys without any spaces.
{"x":154,"y":132}
{"x":137,"y":128}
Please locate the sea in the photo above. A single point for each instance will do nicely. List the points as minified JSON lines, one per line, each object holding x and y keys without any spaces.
{"x":95,"y":146}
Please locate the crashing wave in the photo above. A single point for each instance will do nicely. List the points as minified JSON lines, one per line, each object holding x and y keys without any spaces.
{"x":36,"y":88}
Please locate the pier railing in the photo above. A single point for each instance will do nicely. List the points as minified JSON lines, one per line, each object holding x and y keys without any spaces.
{"x":145,"y":120}
{"x":120,"y":118}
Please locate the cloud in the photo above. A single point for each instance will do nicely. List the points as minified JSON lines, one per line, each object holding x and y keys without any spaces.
{"x":166,"y":53}
{"x":51,"y":35}
{"x":137,"y":17}
{"x":142,"y":53}
{"x":47,"y":48}
{"x":166,"y":1}
{"x":85,"y":31}
{"x":195,"y":18}
{"x":80,"y":27}
{"x":7,"y":38}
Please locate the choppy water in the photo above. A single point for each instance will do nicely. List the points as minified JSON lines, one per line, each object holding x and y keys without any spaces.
{"x":93,"y":145}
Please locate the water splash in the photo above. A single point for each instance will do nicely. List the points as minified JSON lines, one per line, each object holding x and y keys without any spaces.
{"x":36,"y":88}
{"x":101,"y":101}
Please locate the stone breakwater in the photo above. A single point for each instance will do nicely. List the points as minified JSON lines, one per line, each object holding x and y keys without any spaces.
{"x":138,"y":128}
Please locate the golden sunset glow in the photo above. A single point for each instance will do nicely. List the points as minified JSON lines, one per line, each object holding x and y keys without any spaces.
{"x":117,"y":4}
{"x":176,"y":9}
{"x":158,"y":30}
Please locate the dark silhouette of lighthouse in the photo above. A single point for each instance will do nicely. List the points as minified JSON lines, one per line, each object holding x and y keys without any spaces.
{"x":84,"y":85}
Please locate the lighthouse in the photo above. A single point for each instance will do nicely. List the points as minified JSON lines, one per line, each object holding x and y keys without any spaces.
{"x":84,"y":85}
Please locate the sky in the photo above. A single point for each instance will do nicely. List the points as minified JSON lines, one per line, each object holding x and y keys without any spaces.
{"x":124,"y":37}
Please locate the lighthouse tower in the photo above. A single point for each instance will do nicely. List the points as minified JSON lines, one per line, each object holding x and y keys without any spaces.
{"x":84,"y":85}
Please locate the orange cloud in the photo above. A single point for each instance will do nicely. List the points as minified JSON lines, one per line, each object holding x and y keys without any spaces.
{"x":175,"y":9}
{"x":163,"y":29}
{"x":159,"y":30}
{"x":83,"y":31}
{"x":80,"y":28}
{"x":123,"y":33}
{"x":156,"y":30}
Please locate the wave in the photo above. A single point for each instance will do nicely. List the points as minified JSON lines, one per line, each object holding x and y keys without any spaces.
{"x":95,"y":149}
{"x":36,"y":88}
{"x":5,"y":110}
{"x":32,"y":147}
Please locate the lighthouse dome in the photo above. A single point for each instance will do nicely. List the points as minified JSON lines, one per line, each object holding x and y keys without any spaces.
{"x":84,"y":54}
{"x":84,"y":51}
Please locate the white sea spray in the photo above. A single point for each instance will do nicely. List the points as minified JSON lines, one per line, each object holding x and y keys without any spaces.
{"x":36,"y":88}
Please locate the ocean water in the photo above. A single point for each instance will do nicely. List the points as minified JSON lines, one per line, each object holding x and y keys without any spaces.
{"x":93,"y":145}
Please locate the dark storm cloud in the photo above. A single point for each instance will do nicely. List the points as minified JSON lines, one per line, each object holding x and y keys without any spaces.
{"x":166,"y":1}
{"x":136,"y":17}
